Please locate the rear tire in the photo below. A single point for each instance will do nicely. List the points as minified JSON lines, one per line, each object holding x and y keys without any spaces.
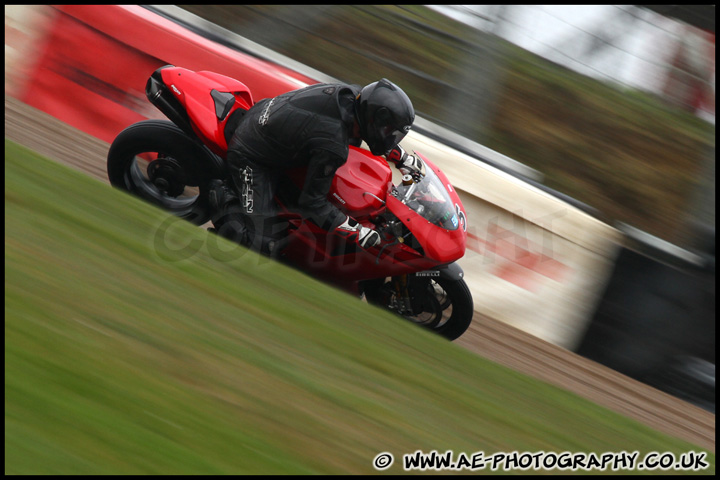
{"x":157,"y":162}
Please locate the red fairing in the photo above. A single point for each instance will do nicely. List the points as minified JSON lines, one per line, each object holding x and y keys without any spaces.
{"x":360,"y":185}
{"x":439,"y":244}
{"x":453,"y":246}
{"x":193,"y":90}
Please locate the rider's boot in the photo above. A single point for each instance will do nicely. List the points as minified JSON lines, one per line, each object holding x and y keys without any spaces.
{"x":227,"y":217}
{"x":220,"y":195}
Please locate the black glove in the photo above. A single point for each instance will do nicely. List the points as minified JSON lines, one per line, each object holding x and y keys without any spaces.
{"x":402,"y":160}
{"x":366,"y":237}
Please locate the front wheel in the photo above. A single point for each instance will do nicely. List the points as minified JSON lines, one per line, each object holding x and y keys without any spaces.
{"x":156,"y":161}
{"x":442,"y":305}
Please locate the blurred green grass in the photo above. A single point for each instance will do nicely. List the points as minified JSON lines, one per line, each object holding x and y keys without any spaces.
{"x":127,"y":355}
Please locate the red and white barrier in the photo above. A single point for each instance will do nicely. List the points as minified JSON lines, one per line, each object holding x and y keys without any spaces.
{"x":93,"y":61}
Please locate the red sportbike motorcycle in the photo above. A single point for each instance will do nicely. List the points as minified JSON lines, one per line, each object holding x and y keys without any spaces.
{"x":421,"y":219}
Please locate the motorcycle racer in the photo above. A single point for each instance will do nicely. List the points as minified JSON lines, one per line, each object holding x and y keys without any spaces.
{"x":310,"y":127}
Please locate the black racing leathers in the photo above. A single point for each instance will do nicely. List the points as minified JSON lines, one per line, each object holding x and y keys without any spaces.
{"x":309,"y":127}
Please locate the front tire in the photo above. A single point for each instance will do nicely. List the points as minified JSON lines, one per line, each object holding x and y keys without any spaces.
{"x":442,"y":305}
{"x":157,"y":162}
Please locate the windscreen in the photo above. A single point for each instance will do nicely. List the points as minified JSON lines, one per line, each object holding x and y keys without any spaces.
{"x":430,"y":200}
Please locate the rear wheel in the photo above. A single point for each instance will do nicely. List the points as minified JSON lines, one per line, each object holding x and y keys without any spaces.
{"x":156,"y":161}
{"x":440,"y":304}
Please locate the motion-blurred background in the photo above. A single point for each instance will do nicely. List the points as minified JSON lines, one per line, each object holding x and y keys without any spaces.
{"x":614,"y":105}
{"x":120,"y":362}
{"x":612,"y":108}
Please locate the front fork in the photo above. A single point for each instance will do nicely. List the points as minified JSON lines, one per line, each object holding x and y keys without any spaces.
{"x":402,"y":294}
{"x":404,"y":302}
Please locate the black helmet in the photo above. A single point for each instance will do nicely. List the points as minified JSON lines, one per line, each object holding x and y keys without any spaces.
{"x":385,"y":114}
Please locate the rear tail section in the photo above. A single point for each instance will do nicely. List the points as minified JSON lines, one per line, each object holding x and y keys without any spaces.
{"x":203,"y":104}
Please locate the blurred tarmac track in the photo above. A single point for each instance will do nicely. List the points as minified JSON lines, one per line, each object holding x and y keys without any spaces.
{"x":486,"y":337}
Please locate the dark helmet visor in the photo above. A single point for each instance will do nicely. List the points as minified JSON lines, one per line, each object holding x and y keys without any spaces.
{"x":391,"y":137}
